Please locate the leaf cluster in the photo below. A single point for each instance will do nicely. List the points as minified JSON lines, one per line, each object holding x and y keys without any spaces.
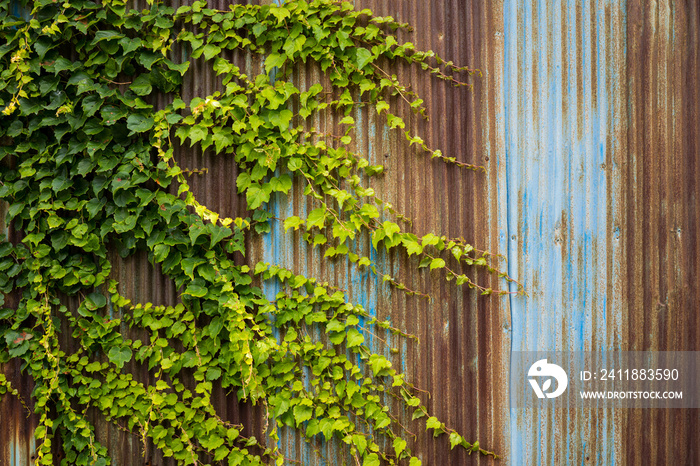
{"x":88,"y":171}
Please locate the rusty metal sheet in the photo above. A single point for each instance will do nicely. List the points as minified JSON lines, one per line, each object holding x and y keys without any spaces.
{"x":587,"y":119}
{"x":657,"y":213}
{"x":601,"y":154}
{"x":561,"y":81}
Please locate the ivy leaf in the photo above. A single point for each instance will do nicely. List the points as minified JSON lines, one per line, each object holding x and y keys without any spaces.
{"x":354,"y":338}
{"x":424,"y":262}
{"x":95,"y":301}
{"x":221,"y":66}
{"x":171,"y":260}
{"x":221,"y":453}
{"x":218,"y":233}
{"x":91,"y":104}
{"x":142,"y":85}
{"x":281,"y":408}
{"x":82,"y":81}
{"x":210,"y":51}
{"x":261,"y":267}
{"x":377,"y":236}
{"x":274,"y":60}
{"x":60,"y":183}
{"x":382,"y":105}
{"x":371,"y":460}
{"x":111,"y":114}
{"x":415,"y":462}
{"x":455,"y":439}
{"x":119,"y":355}
{"x":362,"y":57}
{"x":316,"y":218}
{"x":395,"y":122}
{"x":437,"y":426}
{"x":213,"y":373}
{"x":215,"y":326}
{"x":412,"y":246}
{"x":279,"y":12}
{"x":160,"y":252}
{"x":294,"y":164}
{"x":195,"y":290}
{"x":211,"y":442}
{"x":222,"y":138}
{"x":430,"y":240}
{"x":360,"y":442}
{"x":301,"y":281}
{"x":129,"y":45}
{"x":399,"y":446}
{"x":436,"y":263}
{"x":281,"y":184}
{"x":256,"y":196}
{"x":148,"y":58}
{"x":432,"y":423}
{"x":293,"y":222}
{"x":138,"y":123}
{"x":189,"y":264}
{"x":335,"y":326}
{"x":379,"y":364}
{"x":302,"y":413}
{"x":281,"y":119}
{"x":106,"y":35}
{"x":366,"y":85}
{"x":43,"y":45}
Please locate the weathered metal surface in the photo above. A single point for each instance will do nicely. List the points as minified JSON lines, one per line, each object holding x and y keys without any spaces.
{"x":561,"y":87}
{"x":601,"y":155}
{"x":587,"y":120}
{"x":16,"y":426}
{"x":657,"y":210}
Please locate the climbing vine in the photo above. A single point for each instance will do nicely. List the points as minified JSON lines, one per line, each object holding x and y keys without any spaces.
{"x":88,"y":171}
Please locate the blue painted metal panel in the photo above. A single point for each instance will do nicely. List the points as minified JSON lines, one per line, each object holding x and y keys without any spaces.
{"x":561,"y":65}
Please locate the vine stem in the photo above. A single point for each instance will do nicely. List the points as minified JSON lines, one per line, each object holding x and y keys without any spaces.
{"x":374,"y":65}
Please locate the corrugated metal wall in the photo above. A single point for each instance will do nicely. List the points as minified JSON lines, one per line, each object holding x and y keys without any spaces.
{"x":602,"y":159}
{"x":587,"y":119}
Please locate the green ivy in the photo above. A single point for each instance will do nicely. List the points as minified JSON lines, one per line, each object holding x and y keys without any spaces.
{"x":88,"y":169}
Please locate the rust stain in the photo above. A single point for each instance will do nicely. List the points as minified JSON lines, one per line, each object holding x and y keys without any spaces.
{"x":647,"y":262}
{"x":663,"y":213}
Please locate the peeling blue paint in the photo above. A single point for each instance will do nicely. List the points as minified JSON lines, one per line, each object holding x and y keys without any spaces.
{"x":558,"y":106}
